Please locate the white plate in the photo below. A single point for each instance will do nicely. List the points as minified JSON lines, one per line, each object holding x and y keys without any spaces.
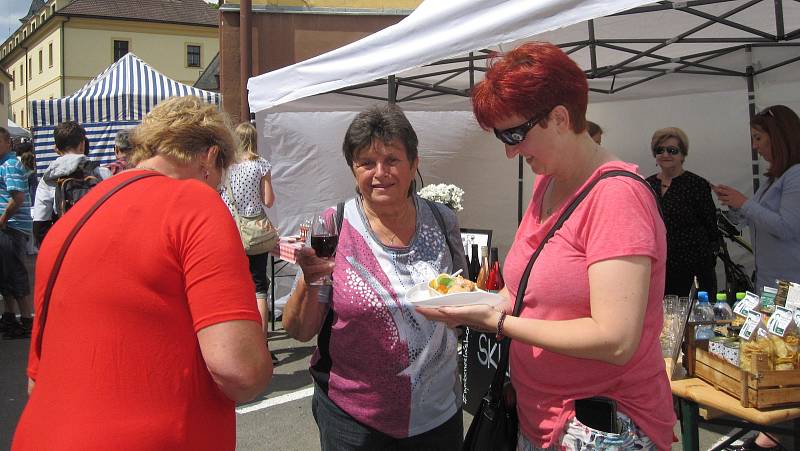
{"x":419,"y":295}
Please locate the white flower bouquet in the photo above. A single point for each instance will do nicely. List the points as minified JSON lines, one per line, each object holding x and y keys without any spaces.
{"x":444,"y":193}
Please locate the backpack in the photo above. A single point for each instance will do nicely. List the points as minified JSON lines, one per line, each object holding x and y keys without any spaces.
{"x":71,"y":188}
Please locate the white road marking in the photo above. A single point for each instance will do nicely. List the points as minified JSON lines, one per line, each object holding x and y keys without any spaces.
{"x":282,"y":399}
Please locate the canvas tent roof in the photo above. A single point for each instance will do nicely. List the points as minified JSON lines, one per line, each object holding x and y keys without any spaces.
{"x":624,"y":45}
{"x":661,"y":55}
{"x":117,"y":98}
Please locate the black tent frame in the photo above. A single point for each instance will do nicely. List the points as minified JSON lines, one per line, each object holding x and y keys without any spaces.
{"x":700,"y":63}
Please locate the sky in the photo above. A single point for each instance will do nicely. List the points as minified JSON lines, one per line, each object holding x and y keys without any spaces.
{"x":10,"y":13}
{"x":12,"y":10}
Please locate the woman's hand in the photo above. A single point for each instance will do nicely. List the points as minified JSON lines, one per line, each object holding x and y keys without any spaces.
{"x":729,"y":196}
{"x":313,"y":267}
{"x":478,"y":317}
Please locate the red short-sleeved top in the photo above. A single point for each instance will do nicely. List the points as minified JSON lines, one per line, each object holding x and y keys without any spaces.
{"x":618,"y":218}
{"x":121,"y":366}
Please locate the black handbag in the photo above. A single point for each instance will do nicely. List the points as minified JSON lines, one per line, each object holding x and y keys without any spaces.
{"x":496,"y":425}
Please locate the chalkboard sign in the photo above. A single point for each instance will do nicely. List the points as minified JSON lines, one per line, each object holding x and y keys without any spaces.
{"x":481,"y":354}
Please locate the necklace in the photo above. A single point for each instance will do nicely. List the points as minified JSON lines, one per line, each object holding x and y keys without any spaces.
{"x":375,"y":220}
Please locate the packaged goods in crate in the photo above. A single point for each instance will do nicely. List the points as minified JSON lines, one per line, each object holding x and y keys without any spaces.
{"x":763,"y":369}
{"x":725,"y":348}
{"x":731,"y":352}
{"x":760,"y":389}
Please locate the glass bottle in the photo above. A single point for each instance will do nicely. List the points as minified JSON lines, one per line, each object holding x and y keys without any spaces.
{"x":495,"y":281}
{"x":483,"y":274}
{"x":474,"y":264}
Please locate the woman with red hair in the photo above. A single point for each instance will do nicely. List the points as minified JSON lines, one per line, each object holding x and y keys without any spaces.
{"x":592,"y":312}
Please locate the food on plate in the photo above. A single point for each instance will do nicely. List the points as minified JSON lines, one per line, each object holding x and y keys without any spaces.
{"x":447,"y":284}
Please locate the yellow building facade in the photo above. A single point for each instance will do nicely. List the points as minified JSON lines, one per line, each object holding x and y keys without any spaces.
{"x":54,"y":54}
{"x":5,"y":82}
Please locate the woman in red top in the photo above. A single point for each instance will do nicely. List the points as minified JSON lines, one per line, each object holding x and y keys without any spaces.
{"x":152,"y":332}
{"x":592,"y":311}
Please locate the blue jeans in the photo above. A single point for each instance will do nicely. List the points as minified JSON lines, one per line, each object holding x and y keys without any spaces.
{"x":338,"y":431}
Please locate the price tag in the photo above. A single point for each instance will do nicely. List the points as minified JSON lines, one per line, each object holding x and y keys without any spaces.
{"x":753,"y":318}
{"x":779,"y":321}
{"x":793,"y":297}
{"x":750,"y":302}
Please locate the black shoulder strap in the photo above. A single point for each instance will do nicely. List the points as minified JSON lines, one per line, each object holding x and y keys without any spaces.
{"x":440,"y":220}
{"x":497,"y":382}
{"x":51,"y":281}
{"x":339,"y":216}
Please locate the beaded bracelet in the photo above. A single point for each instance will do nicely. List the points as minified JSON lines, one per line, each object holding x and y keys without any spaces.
{"x":500,"y":322}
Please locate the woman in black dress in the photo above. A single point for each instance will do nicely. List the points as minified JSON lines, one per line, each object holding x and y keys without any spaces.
{"x":689,"y":214}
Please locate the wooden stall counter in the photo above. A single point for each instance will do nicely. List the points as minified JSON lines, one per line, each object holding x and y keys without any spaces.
{"x":693,"y":392}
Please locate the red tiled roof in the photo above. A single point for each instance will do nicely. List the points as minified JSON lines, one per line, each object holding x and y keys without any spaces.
{"x":196,"y":12}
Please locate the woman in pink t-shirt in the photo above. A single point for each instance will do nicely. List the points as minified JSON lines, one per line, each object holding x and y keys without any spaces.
{"x":592,"y":310}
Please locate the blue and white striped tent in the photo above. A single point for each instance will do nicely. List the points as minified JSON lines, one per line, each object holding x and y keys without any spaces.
{"x":117,"y":98}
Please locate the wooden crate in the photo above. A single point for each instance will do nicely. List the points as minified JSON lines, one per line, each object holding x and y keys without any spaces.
{"x":762,"y":389}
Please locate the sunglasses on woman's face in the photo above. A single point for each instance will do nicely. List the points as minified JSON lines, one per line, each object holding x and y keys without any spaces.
{"x":672,"y":150}
{"x":515,"y":135}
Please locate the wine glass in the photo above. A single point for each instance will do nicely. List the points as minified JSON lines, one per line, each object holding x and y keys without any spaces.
{"x":324,"y":238}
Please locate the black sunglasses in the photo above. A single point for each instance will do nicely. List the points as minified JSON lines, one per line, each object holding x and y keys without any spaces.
{"x":515,"y":135}
{"x":672,"y":150}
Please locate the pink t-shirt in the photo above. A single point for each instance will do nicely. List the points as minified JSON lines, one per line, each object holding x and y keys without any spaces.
{"x":618,"y":218}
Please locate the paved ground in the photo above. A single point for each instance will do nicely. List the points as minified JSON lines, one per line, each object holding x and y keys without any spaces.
{"x":279,"y":420}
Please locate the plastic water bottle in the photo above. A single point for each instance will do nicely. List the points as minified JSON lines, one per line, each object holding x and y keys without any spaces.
{"x":703,"y":311}
{"x":722,"y":311}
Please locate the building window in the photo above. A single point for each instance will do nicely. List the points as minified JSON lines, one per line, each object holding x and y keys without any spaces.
{"x":53,"y":8}
{"x":120,"y":49}
{"x":30,"y":67}
{"x":193,"y":55}
{"x":2,"y":94}
{"x":21,"y":75}
{"x":13,"y":79}
{"x":41,"y":62}
{"x":43,"y":16}
{"x":50,"y":54}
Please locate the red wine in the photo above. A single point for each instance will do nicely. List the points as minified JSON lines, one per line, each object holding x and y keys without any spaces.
{"x":325,"y":245}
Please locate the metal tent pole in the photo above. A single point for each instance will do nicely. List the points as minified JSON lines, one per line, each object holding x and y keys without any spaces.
{"x":751,"y":101}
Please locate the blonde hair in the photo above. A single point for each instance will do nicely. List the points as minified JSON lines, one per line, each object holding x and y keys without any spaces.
{"x":670,"y":132}
{"x":182,"y":128}
{"x":248,"y":142}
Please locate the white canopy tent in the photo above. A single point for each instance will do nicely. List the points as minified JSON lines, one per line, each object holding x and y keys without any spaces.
{"x":699,"y":65}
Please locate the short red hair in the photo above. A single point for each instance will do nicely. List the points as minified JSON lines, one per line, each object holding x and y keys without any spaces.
{"x":530,"y":81}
